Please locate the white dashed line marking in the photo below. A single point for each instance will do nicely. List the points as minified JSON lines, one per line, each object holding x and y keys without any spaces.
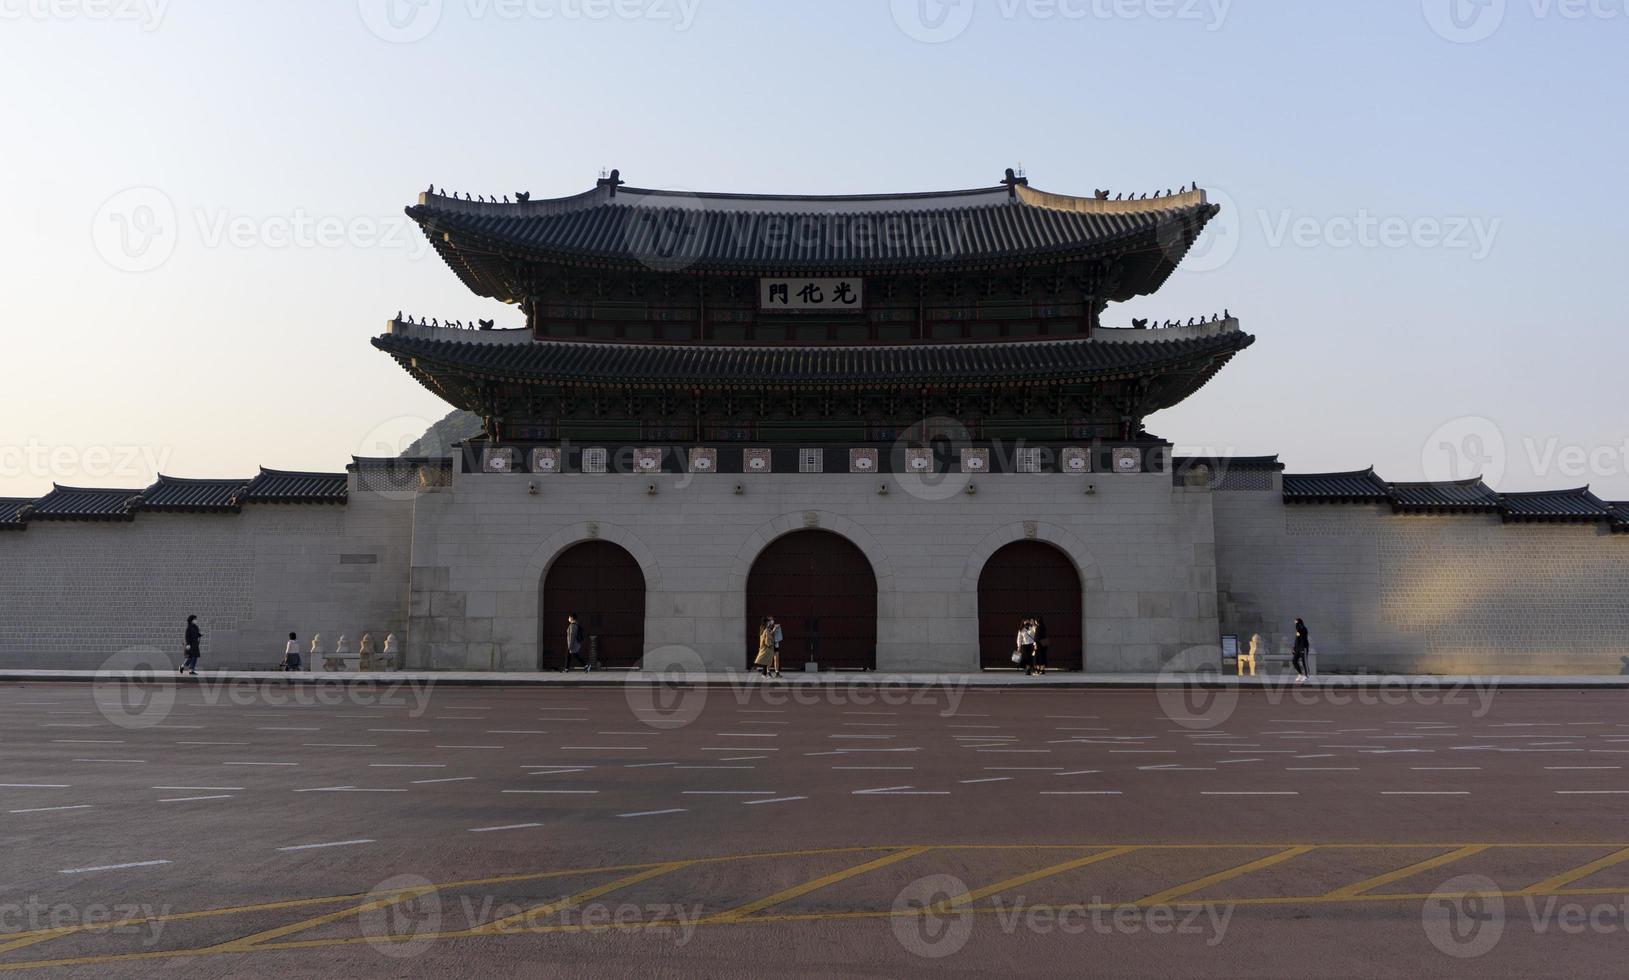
{"x":194,"y":799}
{"x":778,"y":799}
{"x":112,"y":867}
{"x":53,"y":809}
{"x":652,"y":813}
{"x":337,"y":843}
{"x":513,"y":826}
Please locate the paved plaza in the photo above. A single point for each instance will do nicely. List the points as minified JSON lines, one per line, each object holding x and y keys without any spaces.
{"x":241,"y":829}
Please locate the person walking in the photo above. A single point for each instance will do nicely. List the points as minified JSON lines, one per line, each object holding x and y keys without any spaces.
{"x":574,"y":644}
{"x":775,"y":637}
{"x":766,"y":648}
{"x":1298,"y":653}
{"x":192,"y":647}
{"x":1043,"y":646}
{"x":291,"y":653}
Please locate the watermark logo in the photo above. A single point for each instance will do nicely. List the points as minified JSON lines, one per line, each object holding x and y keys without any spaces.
{"x":149,"y":14}
{"x":1465,"y":917}
{"x":128,"y":690}
{"x":923,"y":920}
{"x":400,"y":21}
{"x":1464,"y":21}
{"x":402,"y":916}
{"x":676,"y":697}
{"x":930,"y":462}
{"x":1465,"y":448}
{"x":136,"y":230}
{"x":933,"y":21}
{"x":665,"y":232}
{"x":1195,"y":700}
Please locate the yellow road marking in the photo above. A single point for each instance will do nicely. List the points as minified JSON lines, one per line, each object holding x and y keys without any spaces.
{"x":1582,"y":871}
{"x":1360,"y":892}
{"x":1024,"y":879}
{"x":321,"y":920}
{"x":1398,"y":875}
{"x":543,"y":911}
{"x":1165,"y":897}
{"x":786,"y":895}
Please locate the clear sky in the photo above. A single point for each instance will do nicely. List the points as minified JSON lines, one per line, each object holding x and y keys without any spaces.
{"x":202,"y":226}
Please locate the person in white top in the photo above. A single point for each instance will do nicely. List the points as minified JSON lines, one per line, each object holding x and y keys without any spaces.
{"x":1026,"y":647}
{"x":291,"y":654}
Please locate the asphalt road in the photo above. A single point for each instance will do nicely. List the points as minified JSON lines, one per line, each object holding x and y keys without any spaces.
{"x":245,"y":831}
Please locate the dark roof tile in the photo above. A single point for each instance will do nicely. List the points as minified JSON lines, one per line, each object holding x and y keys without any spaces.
{"x":1357,"y":486}
{"x":11,"y":512}
{"x":1554,"y":505}
{"x":84,"y":504}
{"x":681,"y":364}
{"x":286,"y":487}
{"x":177,"y":495}
{"x":1458,"y":496}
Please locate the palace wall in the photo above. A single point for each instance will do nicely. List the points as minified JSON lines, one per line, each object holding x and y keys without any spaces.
{"x":1145,"y":551}
{"x":73,"y":594}
{"x":1451,"y":594}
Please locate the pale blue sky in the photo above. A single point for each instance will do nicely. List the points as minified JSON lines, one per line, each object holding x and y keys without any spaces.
{"x":238,"y":350}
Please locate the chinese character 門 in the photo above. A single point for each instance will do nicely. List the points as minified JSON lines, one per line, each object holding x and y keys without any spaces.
{"x":777,"y":291}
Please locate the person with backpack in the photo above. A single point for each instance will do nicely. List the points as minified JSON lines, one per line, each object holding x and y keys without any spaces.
{"x":775,"y":637}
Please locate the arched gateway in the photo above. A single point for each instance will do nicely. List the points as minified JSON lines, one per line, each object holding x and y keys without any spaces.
{"x":602,"y":583}
{"x":1029,"y":579}
{"x":821,"y":588}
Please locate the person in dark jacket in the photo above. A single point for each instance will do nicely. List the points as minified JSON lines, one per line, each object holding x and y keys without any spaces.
{"x":1043,"y":645}
{"x":194,"y":642}
{"x":1298,"y":653}
{"x":574,"y":644}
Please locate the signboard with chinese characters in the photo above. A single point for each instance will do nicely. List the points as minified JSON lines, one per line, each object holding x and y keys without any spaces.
{"x":825,"y":295}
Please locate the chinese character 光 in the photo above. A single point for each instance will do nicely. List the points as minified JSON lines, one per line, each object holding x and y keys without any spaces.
{"x":845,"y":294}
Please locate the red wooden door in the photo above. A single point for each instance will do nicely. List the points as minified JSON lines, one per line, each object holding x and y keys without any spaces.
{"x":821,"y":589}
{"x":605,"y":587}
{"x":1028,"y":579}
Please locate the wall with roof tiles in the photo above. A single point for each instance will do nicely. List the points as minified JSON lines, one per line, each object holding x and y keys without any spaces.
{"x":1437,"y":594}
{"x":73,"y":594}
{"x":1145,"y":550}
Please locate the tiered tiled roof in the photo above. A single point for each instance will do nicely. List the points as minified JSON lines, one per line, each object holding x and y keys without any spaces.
{"x":83,"y":504}
{"x":287,"y":487}
{"x":622,"y":364}
{"x":1555,"y":505}
{"x":615,"y":226}
{"x":1471,"y":496}
{"x":1353,"y":487}
{"x":1456,"y":497}
{"x":176,"y":495}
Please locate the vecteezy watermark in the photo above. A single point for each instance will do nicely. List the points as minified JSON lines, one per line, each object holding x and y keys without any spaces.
{"x":36,"y":915}
{"x":1473,"y":234}
{"x":1468,"y":915}
{"x":851,"y":690}
{"x":938,"y":21}
{"x":148,"y":14}
{"x":933,"y":917}
{"x":1476,"y":446}
{"x":676,"y":697}
{"x":401,"y":916}
{"x":1470,"y":21}
{"x":66,"y":464}
{"x":406,"y":21}
{"x":138,"y":230}
{"x":1205,"y":699}
{"x":126,"y":689}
